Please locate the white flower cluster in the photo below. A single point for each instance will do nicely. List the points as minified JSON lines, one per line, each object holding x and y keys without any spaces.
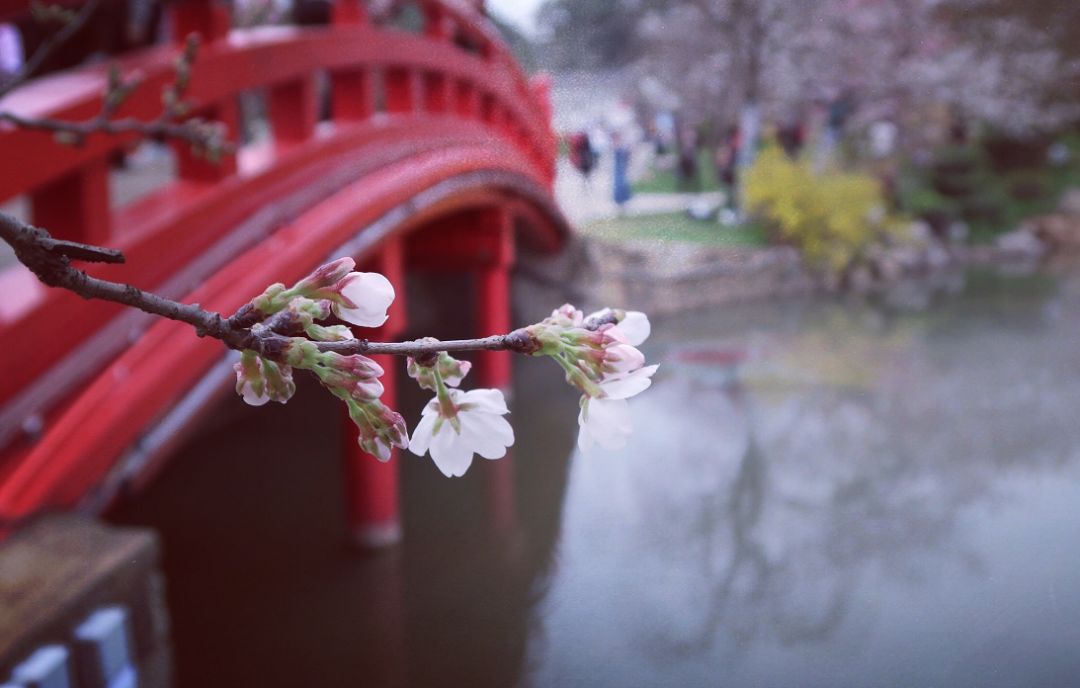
{"x":600,"y":356}
{"x":598,"y":353}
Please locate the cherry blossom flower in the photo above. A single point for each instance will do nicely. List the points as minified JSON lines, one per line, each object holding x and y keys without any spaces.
{"x":604,"y":419}
{"x":634,"y":324}
{"x":363,"y":298}
{"x":455,"y":425}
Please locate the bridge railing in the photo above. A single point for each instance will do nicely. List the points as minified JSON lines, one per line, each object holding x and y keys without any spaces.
{"x":456,"y":69}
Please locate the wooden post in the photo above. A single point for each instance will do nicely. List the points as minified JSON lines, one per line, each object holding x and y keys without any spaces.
{"x":349,"y":12}
{"x":436,"y":93}
{"x":465,"y":99}
{"x":76,"y":206}
{"x":372,"y":486}
{"x":197,"y":168}
{"x":203,"y":17}
{"x":293,"y":107}
{"x":399,"y":83}
{"x":351,"y":95}
{"x":493,"y":368}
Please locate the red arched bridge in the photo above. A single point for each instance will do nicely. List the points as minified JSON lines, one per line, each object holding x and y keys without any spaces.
{"x":434,"y":152}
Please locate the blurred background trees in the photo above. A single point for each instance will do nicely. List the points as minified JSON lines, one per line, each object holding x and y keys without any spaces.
{"x":1012,"y":64}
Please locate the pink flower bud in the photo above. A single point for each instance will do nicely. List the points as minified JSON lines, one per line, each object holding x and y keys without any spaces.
{"x":325,"y":276}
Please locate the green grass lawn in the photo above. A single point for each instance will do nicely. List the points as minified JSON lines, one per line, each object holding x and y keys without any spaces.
{"x":664,"y":181}
{"x":676,"y":227}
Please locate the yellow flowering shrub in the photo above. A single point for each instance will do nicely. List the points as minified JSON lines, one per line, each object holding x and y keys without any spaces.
{"x":831,"y":216}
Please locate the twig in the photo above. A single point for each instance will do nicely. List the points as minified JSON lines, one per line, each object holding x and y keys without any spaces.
{"x":205,"y":137}
{"x":197,"y":132}
{"x":50,"y":260}
{"x":48,"y":46}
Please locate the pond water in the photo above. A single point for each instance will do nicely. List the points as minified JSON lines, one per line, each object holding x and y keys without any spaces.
{"x":818,"y":493}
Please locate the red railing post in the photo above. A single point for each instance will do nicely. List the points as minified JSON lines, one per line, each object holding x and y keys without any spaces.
{"x":437,"y":23}
{"x":400,"y":85}
{"x":76,"y":206}
{"x":371,"y":486}
{"x":351,"y":94}
{"x":195,"y":166}
{"x":203,"y":17}
{"x":351,"y":98}
{"x":436,"y":93}
{"x":294,"y":109}
{"x":466,"y":99}
{"x":349,"y":12}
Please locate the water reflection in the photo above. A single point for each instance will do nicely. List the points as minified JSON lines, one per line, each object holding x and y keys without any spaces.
{"x":850,"y":508}
{"x":817,"y":494}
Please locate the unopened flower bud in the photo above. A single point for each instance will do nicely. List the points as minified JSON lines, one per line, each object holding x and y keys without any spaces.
{"x":325,"y":276}
{"x":451,"y":370}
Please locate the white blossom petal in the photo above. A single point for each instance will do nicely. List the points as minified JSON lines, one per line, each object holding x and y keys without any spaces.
{"x":605,"y":422}
{"x":636,"y":327}
{"x":487,"y":400}
{"x":488,"y":434}
{"x":421,"y":437}
{"x":452,"y":456}
{"x":629,"y":385}
{"x":372,"y":295}
{"x":252,"y":398}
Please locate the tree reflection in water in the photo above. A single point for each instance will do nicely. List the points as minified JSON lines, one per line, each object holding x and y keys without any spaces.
{"x":856,"y":451}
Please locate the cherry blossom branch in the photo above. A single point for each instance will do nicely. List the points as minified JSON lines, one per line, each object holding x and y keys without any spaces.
{"x":197,"y":132}
{"x":205,"y":137}
{"x":50,"y":260}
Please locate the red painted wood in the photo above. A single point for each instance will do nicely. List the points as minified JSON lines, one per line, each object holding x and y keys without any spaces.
{"x":437,"y":22}
{"x":283,"y":212}
{"x":293,"y":108}
{"x":352,"y":98}
{"x":400,"y":85}
{"x":250,"y":59}
{"x":436,"y":93}
{"x":206,"y":18}
{"x":76,"y":206}
{"x":493,"y":297}
{"x":194,"y":165}
{"x":349,"y":12}
{"x":111,"y":411}
{"x":371,"y":486}
{"x":172,"y":227}
{"x":493,"y":368}
{"x":466,"y":99}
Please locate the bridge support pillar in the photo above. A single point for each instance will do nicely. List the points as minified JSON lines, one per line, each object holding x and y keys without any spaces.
{"x":371,"y":486}
{"x":493,"y":368}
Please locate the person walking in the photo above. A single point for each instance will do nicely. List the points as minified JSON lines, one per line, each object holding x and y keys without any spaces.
{"x":621,"y":191}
